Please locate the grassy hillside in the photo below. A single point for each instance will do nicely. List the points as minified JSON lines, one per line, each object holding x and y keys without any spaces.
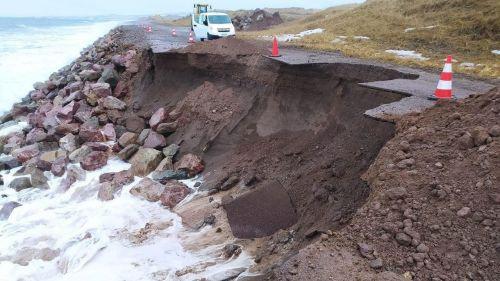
{"x":467,"y":29}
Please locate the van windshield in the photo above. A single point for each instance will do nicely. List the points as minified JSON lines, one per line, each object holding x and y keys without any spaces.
{"x":219,"y":19}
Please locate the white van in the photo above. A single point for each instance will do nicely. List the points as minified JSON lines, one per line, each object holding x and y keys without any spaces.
{"x":212,"y":25}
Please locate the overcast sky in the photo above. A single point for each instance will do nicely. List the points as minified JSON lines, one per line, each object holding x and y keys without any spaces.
{"x":38,"y":8}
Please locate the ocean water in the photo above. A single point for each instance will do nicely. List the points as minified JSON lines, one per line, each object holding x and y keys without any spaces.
{"x":33,"y":48}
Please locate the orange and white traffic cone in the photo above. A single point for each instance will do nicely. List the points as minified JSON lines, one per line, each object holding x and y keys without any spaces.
{"x":191,"y":39}
{"x":275,"y":52}
{"x":174,"y":34}
{"x":444,"y":87}
{"x":150,"y":29}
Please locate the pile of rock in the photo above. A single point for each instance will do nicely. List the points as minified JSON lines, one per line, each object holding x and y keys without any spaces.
{"x":76,"y":117}
{"x":256,"y":20}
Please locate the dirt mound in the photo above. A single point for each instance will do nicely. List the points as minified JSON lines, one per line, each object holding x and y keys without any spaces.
{"x":257,"y":20}
{"x":227,"y":46}
{"x":433,"y":212}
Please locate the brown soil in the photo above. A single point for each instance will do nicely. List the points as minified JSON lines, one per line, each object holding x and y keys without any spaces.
{"x":303,"y":126}
{"x":458,"y":248}
{"x":230,"y":46}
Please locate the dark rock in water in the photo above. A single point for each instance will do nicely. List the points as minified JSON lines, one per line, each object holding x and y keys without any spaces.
{"x":260,"y":212}
{"x":164,"y":176}
{"x":20,"y":183}
{"x":231,"y":250}
{"x":155,"y":140}
{"x":106,"y":191}
{"x":174,"y":193}
{"x":128,"y":151}
{"x":8,"y":162}
{"x":7,"y":209}
{"x":110,"y":76}
{"x":135,"y":124}
{"x":94,"y":161}
{"x":119,"y":179}
{"x":148,"y":189}
{"x":190,"y":163}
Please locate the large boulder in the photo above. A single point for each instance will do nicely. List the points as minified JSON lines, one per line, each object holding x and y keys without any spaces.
{"x":173,"y":193}
{"x":145,"y":161}
{"x":155,"y":140}
{"x":20,"y":183}
{"x":148,"y":189}
{"x":59,"y":166}
{"x":89,"y":132}
{"x":94,"y":161}
{"x":158,"y":117}
{"x":190,"y":163}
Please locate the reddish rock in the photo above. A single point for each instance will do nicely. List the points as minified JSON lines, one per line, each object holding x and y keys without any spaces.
{"x":120,"y":90}
{"x":43,"y":165}
{"x":155,"y":140}
{"x":68,"y":111}
{"x":190,"y":163}
{"x":94,"y":161}
{"x":67,"y":128}
{"x":73,"y":87}
{"x":167,"y":128}
{"x":36,"y":135}
{"x":90,"y":133}
{"x":59,"y":166}
{"x":26,"y":153}
{"x":97,"y":146}
{"x":37,"y":95}
{"x":148,"y":189}
{"x":118,"y":179}
{"x":109,"y":132}
{"x":174,"y":193}
{"x":36,"y":119}
{"x":111,"y":103}
{"x":158,"y":117}
{"x":145,"y":161}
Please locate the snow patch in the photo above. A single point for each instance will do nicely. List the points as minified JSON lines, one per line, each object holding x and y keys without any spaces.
{"x":293,"y":37}
{"x":496,"y":52}
{"x":362,"y":38}
{"x":405,"y":54}
{"x":409,"y":29}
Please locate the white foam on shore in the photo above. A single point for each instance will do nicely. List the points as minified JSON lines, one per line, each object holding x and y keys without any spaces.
{"x":92,"y":239}
{"x":404,"y":54}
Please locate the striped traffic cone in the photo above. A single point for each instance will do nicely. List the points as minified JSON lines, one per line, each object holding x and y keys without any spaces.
{"x":174,"y":34}
{"x":444,"y":86}
{"x":191,"y":39}
{"x":275,"y":51}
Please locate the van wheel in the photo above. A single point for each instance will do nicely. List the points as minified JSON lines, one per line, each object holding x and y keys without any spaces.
{"x":202,"y":39}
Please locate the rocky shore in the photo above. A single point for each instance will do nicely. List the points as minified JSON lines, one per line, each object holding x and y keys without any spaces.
{"x":72,"y":118}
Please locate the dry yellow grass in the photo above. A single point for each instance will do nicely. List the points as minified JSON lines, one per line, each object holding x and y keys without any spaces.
{"x":467,"y":29}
